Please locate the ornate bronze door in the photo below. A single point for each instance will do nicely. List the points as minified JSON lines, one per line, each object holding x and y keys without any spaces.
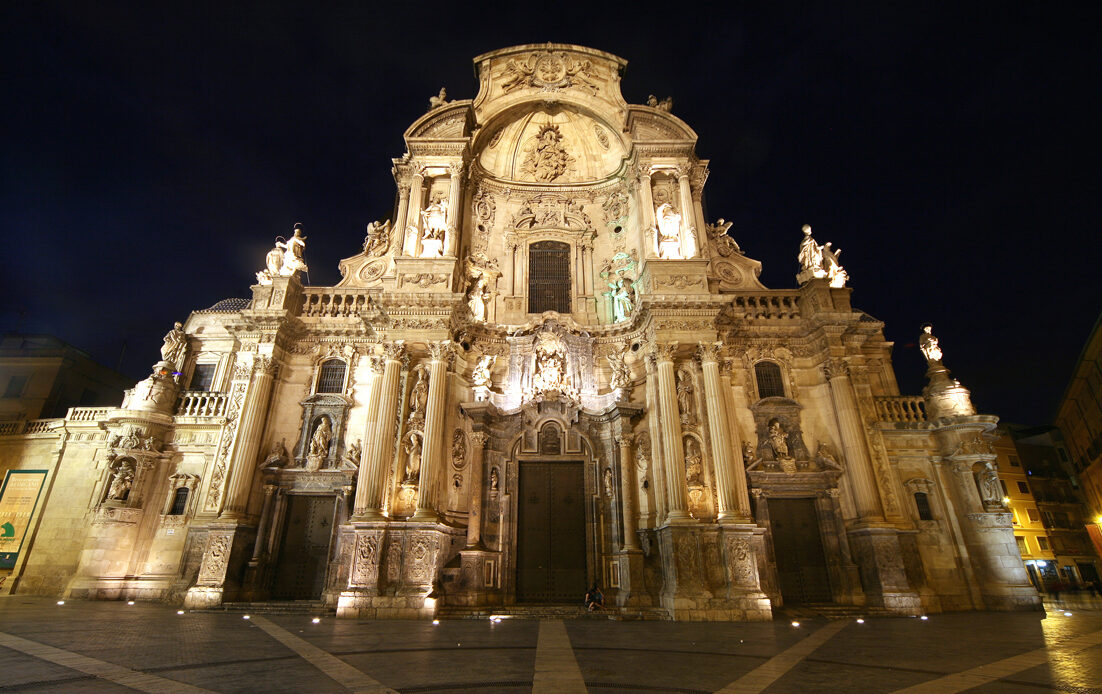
{"x":304,"y":550}
{"x":551,"y":532}
{"x":798,"y":547}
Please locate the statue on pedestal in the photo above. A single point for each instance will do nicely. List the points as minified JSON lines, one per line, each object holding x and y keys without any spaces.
{"x":413,"y":458}
{"x":434,"y":227}
{"x":928,"y":343}
{"x":285,"y":259}
{"x":377,"y":240}
{"x":122,"y":481}
{"x":778,"y":440}
{"x":439,"y":100}
{"x":319,"y":442}
{"x":622,"y":298}
{"x":668,"y":231}
{"x":174,"y":348}
{"x":820,"y":261}
{"x":482,"y":273}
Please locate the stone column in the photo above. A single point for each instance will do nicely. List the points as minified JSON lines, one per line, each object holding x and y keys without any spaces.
{"x":413,"y":222}
{"x":439,"y":355}
{"x":249,"y":430}
{"x":738,"y":466}
{"x":646,"y":202}
{"x":363,"y":482}
{"x":658,"y":457}
{"x":858,"y":465}
{"x":688,"y":231}
{"x":677,"y":491}
{"x":478,"y":441}
{"x":265,"y":523}
{"x":627,"y":492}
{"x":399,"y":229}
{"x":722,"y":445}
{"x":454,"y":216}
{"x":373,"y":471}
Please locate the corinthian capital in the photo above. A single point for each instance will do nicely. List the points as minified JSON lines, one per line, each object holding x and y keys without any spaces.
{"x":478,"y":439}
{"x":664,"y":352}
{"x":709,"y":351}
{"x":835,"y":368}
{"x":265,"y":365}
{"x":394,"y":351}
{"x":441,"y":351}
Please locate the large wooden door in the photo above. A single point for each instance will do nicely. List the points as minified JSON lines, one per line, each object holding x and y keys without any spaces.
{"x":798,"y":546}
{"x":551,"y":532}
{"x":304,"y":550}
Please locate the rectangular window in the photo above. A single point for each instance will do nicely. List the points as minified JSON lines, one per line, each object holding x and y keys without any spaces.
{"x":1023,"y":548}
{"x":1042,"y":542}
{"x":1033,"y":515}
{"x":1023,"y":487}
{"x":16,"y":384}
{"x":1014,"y":462}
{"x":1003,"y":485}
{"x":203,"y":376}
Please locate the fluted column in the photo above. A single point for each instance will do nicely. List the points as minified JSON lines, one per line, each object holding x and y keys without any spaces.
{"x":454,"y":218}
{"x":738,"y":467}
{"x":658,"y":456}
{"x":722,"y":445}
{"x":688,"y":231}
{"x":627,"y":492}
{"x":265,"y":522}
{"x":413,"y":223}
{"x":374,"y":478}
{"x":249,"y":430}
{"x":646,"y":202}
{"x":363,"y":483}
{"x":858,"y":464}
{"x":677,"y":492}
{"x":439,"y":356}
{"x":478,"y":441}
{"x":399,"y":230}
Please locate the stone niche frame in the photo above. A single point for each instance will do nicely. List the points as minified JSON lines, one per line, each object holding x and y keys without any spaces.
{"x":787,"y":412}
{"x":334,"y":406}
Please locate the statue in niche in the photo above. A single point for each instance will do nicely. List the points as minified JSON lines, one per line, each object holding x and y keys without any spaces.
{"x":481,"y":375}
{"x":685,"y":400}
{"x":413,"y":457}
{"x":122,"y":480}
{"x":609,"y":488}
{"x":278,"y":455}
{"x":669,"y":231}
{"x":482,"y":274}
{"x":550,"y":373}
{"x":778,"y":440}
{"x":694,"y":463}
{"x":377,"y":241}
{"x":493,"y":480}
{"x":174,"y":348}
{"x":353,"y":454}
{"x":418,"y":395}
{"x":622,"y":297}
{"x":319,"y":442}
{"x":990,"y":491}
{"x":621,"y":373}
{"x":928,"y":343}
{"x":439,"y":100}
{"x":293,"y":250}
{"x":434,"y":227}
{"x":549,"y":159}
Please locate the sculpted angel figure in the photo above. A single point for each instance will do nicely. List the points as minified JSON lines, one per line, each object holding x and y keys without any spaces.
{"x":278,"y":455}
{"x":481,"y":374}
{"x":621,"y":373}
{"x":834,"y":271}
{"x":516,"y":74}
{"x":293,"y":248}
{"x":377,"y":240}
{"x":439,"y":100}
{"x":928,"y":343}
{"x":175,"y":346}
{"x":717,"y":232}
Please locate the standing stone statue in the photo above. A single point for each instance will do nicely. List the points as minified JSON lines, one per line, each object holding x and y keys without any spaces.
{"x":990,"y":490}
{"x":622,"y":295}
{"x":413,"y":458}
{"x":685,"y":397}
{"x":121,"y":482}
{"x":669,"y":231}
{"x":319,"y":443}
{"x":435,"y":226}
{"x":174,"y":349}
{"x":811,"y":255}
{"x":928,"y":343}
{"x":293,"y":249}
{"x":778,"y":440}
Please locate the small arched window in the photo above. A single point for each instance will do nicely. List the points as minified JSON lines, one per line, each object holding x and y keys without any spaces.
{"x":770,"y":382}
{"x":331,"y":378}
{"x":179,"y":502}
{"x":922,"y":503}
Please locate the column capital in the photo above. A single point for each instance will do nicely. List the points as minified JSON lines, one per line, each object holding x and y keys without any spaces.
{"x":478,"y":439}
{"x":625,"y":440}
{"x":664,"y":352}
{"x":394,"y":351}
{"x":709,"y":352}
{"x":441,"y":351}
{"x":835,"y":368}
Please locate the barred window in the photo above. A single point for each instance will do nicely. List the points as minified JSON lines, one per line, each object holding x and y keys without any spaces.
{"x":331,"y":378}
{"x":922,"y":502}
{"x":203,"y":377}
{"x":179,"y":502}
{"x":549,"y":277}
{"x":770,"y":383}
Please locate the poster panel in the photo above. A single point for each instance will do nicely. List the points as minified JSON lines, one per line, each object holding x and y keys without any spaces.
{"x":18,"y":499}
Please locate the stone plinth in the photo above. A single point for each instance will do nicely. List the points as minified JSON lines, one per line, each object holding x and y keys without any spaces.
{"x":660,"y":276}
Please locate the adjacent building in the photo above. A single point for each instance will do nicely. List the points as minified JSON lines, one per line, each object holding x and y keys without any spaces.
{"x":547,"y":369}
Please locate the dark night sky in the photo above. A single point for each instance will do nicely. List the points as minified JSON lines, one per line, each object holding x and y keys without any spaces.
{"x":152,"y":154}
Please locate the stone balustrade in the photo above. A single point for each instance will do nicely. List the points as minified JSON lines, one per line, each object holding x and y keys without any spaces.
{"x":202,"y":403}
{"x":901,"y":408}
{"x":33,"y":426}
{"x":769,"y":305}
{"x":87,"y":414}
{"x":322,"y":302}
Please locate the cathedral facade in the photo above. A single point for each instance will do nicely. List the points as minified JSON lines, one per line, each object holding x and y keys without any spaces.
{"x":547,"y":370}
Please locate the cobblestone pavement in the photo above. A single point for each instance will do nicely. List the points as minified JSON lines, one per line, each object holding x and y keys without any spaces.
{"x":116,"y":647}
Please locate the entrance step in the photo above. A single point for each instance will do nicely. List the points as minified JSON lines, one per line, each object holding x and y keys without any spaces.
{"x":306,"y":607}
{"x":552,"y":611}
{"x":830,"y":611}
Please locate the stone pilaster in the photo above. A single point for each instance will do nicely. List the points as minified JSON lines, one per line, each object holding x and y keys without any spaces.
{"x":250,"y":428}
{"x":413,"y":221}
{"x":627,"y":492}
{"x":854,"y":445}
{"x":478,"y":441}
{"x":428,"y":483}
{"x":363,"y":483}
{"x":688,"y":228}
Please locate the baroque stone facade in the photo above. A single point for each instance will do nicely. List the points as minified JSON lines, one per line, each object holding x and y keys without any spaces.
{"x":547,"y":370}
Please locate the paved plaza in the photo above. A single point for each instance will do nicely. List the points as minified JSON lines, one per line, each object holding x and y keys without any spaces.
{"x":116,"y":647}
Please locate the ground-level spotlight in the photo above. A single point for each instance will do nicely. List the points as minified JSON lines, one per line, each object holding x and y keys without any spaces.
{"x":796,"y":624}
{"x":129,"y":602}
{"x":860,"y":621}
{"x":924,"y":618}
{"x":179,"y":611}
{"x":60,"y":602}
{"x":316,"y":620}
{"x":245,"y":617}
{"x":1067,"y":614}
{"x":436,"y":621}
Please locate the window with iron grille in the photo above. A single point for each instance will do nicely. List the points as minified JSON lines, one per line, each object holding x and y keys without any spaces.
{"x":923,"y":505}
{"x":549,"y":277}
{"x":203,"y":376}
{"x":770,"y":383}
{"x":179,"y":502}
{"x":331,"y":378}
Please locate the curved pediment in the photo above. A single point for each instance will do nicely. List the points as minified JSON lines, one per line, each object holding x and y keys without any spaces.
{"x":450,"y":122}
{"x":648,"y":123}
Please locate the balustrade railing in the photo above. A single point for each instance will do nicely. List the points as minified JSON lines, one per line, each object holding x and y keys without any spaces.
{"x":901,"y":408}
{"x":34,"y":426}
{"x":87,"y":414}
{"x":769,"y":305}
{"x":201,"y":403}
{"x":333,"y":303}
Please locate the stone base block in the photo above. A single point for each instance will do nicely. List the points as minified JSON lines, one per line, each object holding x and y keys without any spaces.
{"x":203,"y":597}
{"x":355,"y":605}
{"x":752,"y":607}
{"x":1020,"y":598}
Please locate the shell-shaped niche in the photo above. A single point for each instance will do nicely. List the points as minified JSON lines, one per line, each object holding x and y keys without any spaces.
{"x":553,"y":147}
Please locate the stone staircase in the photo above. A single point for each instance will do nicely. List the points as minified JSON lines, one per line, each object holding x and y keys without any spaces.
{"x":315,"y":608}
{"x":551,"y":611}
